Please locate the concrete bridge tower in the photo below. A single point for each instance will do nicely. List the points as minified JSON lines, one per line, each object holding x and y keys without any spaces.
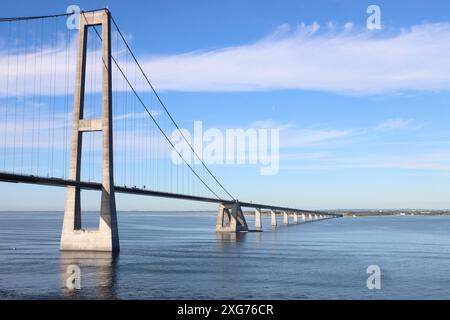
{"x":73,"y":237}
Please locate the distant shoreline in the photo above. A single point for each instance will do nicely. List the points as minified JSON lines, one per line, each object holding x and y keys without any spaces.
{"x":384,"y":213}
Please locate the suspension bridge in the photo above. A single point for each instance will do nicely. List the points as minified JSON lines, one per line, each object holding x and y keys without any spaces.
{"x":57,"y":125}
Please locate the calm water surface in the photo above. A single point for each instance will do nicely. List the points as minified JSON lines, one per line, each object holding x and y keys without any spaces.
{"x":179,"y":256}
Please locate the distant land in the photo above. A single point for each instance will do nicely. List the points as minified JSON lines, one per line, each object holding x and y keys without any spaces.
{"x":374,"y":212}
{"x":390,"y":212}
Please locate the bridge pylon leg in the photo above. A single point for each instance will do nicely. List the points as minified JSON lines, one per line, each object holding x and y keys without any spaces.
{"x":230,"y":218}
{"x":303,"y":218}
{"x":295,"y":218}
{"x":285,"y":218}
{"x":106,"y":237}
{"x":258,"y":222}
{"x":273,"y":218}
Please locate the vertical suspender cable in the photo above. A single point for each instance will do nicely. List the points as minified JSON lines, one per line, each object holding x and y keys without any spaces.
{"x":40,"y":95}
{"x":16,"y":100}
{"x":7,"y":98}
{"x":66,"y":103}
{"x":54,"y":93}
{"x":33,"y":106}
{"x":25,"y":58}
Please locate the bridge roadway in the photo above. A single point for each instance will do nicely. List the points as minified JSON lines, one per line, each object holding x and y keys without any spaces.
{"x":57,"y":182}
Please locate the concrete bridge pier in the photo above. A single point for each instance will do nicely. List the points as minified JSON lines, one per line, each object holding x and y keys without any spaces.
{"x":273,"y":218}
{"x":258,"y":223}
{"x":285,"y":218}
{"x":295,"y":218}
{"x":316,"y":217}
{"x":303,"y":218}
{"x":310,"y":218}
{"x":230,"y":218}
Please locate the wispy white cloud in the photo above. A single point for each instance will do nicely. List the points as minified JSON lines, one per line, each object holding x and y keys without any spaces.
{"x":393,"y":124}
{"x":136,"y":115}
{"x":331,"y":58}
{"x":292,"y":136}
{"x":303,"y":137}
{"x":348,"y":61}
{"x":437,"y":160}
{"x":332,"y":148}
{"x":348,"y":26}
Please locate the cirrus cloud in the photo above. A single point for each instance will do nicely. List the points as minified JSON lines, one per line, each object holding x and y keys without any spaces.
{"x":346,"y":62}
{"x":334,"y":59}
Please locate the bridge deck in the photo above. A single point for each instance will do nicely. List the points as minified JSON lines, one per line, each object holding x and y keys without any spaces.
{"x":57,"y":182}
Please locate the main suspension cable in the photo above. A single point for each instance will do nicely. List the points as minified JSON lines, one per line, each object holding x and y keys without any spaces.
{"x":166,"y":110}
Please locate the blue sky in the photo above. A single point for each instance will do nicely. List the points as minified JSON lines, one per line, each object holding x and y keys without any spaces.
{"x":363,"y":115}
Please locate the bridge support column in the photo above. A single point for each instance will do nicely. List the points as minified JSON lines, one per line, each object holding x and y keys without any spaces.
{"x":258,"y":223}
{"x":285,"y":218}
{"x":310,"y":217}
{"x":273,"y":218}
{"x":303,"y":218}
{"x":295,"y":218}
{"x":316,"y":217}
{"x":230,"y":218}
{"x":73,"y":237}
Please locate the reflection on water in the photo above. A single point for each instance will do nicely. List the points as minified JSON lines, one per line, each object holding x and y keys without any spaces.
{"x":258,"y":237}
{"x":98,"y":274}
{"x":224,"y":239}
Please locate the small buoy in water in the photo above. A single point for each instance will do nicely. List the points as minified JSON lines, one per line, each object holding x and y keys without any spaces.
{"x":14,"y":248}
